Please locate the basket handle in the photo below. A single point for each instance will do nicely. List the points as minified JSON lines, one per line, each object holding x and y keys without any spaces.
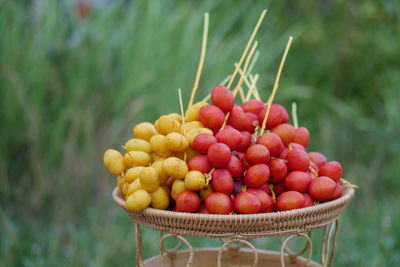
{"x":255,"y":262}
{"x":309,"y":248}
{"x":162,"y":249}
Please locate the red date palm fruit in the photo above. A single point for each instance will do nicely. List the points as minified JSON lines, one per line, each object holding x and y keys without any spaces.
{"x":274,"y":117}
{"x":245,"y":143}
{"x":219,"y":155}
{"x":271,"y":141}
{"x":187,"y":201}
{"x":298,"y":181}
{"x":199,"y":163}
{"x":301,"y":136}
{"x":237,"y":118}
{"x":290,"y":200}
{"x":223,"y":98}
{"x":253,"y":106}
{"x":322,"y":188}
{"x":230,"y":137}
{"x":257,"y":154}
{"x":222,"y":181}
{"x":246,"y":203}
{"x":284,"y":153}
{"x":298,"y":160}
{"x":292,"y":146}
{"x":265,"y":188}
{"x":317,"y":158}
{"x":211,"y":116}
{"x":285,"y":132}
{"x":218,"y":203}
{"x":337,"y":193}
{"x":256,"y":175}
{"x":285,"y":115}
{"x":332,"y":169}
{"x":235,"y":167}
{"x":308,"y":201}
{"x":267,"y":203}
{"x":278,"y":170}
{"x":202,"y":142}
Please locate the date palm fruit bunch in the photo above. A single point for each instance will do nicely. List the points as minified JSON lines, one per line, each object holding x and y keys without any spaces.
{"x":225,"y":157}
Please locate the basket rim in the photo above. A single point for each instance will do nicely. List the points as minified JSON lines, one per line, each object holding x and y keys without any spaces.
{"x":348,"y":194}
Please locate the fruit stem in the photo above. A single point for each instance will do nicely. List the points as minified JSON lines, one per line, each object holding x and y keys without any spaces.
{"x":246,"y":64}
{"x":294,"y":114}
{"x":345,"y":183}
{"x":246,"y":81}
{"x":313,"y":171}
{"x":208,"y":177}
{"x":271,"y":188}
{"x":183,"y":117}
{"x":240,"y":80}
{"x":253,"y":35}
{"x":202,"y":56}
{"x":252,"y":88}
{"x":278,"y":75}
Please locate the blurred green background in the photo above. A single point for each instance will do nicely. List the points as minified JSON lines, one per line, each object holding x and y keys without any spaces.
{"x":73,"y":83}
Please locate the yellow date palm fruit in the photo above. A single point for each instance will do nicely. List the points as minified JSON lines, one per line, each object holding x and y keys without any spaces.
{"x":194,"y":180}
{"x":138,"y":201}
{"x":176,"y":142}
{"x":177,"y":187}
{"x":114,"y":161}
{"x":192,"y":113}
{"x":136,"y":158}
{"x":159,"y":199}
{"x":144,"y":130}
{"x":136,"y":144}
{"x":133,"y":173}
{"x":158,"y":145}
{"x":149,"y":179}
{"x":175,"y":167}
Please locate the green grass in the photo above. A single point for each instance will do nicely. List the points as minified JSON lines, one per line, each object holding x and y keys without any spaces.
{"x":70,"y":89}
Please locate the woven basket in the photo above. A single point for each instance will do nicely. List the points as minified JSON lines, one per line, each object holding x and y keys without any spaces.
{"x":243,"y":258}
{"x":241,"y":225}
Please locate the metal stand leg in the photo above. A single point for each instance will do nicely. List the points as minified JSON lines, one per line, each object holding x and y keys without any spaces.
{"x":138,"y":239}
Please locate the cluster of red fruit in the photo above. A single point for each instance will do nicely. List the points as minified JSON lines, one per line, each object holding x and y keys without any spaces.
{"x":255,"y":174}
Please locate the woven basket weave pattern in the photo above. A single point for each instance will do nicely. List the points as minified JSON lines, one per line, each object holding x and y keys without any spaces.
{"x":249,"y":225}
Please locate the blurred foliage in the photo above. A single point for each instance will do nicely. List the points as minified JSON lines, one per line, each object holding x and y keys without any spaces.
{"x":72,"y":86}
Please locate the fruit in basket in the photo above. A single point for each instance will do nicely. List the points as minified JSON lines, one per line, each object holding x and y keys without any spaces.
{"x":267,"y":203}
{"x":236,"y":118}
{"x":199,"y":163}
{"x":218,"y":203}
{"x":337,"y":193}
{"x":253,"y":106}
{"x":308,"y":201}
{"x":285,"y":132}
{"x":223,"y":98}
{"x":301,"y":136}
{"x":187,"y":201}
{"x":176,"y":142}
{"x":159,"y":198}
{"x":114,"y":161}
{"x":222,"y":181}
{"x":177,"y":187}
{"x":194,"y":180}
{"x":203,"y":141}
{"x":298,"y":160}
{"x":211,"y":116}
{"x":317,"y":158}
{"x":322,"y":188}
{"x":175,"y":167}
{"x":133,"y":187}
{"x":298,"y":181}
{"x":274,"y":117}
{"x":256,"y":175}
{"x":219,"y":155}
{"x":246,"y":203}
{"x":290,"y":200}
{"x":257,"y":154}
{"x":271,"y":141}
{"x":138,"y":201}
{"x":136,"y":144}
{"x":235,"y":167}
{"x":204,"y":192}
{"x":278,"y":170}
{"x":332,"y":169}
{"x":133,"y":173}
{"x":144,"y":130}
{"x":230,"y":137}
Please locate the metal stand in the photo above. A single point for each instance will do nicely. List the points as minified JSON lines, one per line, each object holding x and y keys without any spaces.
{"x":329,"y":238}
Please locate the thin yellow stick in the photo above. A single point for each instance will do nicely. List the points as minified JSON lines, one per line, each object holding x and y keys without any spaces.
{"x":241,"y":93}
{"x":202,"y":56}
{"x":278,"y":75}
{"x":253,"y":35}
{"x":257,"y":95}
{"x":241,"y":80}
{"x":246,"y":64}
{"x":246,"y":81}
{"x":294,"y":114}
{"x":251,"y":90}
{"x":183,"y":117}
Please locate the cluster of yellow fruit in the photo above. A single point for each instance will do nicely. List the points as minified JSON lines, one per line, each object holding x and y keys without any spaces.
{"x":154,"y":166}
